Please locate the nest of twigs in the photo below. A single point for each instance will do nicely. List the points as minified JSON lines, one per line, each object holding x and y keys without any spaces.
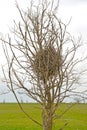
{"x":46,"y":62}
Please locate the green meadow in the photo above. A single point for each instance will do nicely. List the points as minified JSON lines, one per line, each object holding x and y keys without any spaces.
{"x":12,"y":118}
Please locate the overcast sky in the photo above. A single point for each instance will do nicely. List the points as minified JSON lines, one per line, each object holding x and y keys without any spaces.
{"x":77,"y":9}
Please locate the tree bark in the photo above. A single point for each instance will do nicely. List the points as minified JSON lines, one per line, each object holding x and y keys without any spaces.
{"x":47,"y":119}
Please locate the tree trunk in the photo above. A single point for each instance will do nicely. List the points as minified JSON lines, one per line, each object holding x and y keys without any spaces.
{"x":47,"y":119}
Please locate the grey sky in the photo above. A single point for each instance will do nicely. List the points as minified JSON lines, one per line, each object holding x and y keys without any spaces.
{"x":77,"y":9}
{"x":73,"y":2}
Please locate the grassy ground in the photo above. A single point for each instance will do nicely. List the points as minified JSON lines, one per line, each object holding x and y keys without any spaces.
{"x":12,"y":118}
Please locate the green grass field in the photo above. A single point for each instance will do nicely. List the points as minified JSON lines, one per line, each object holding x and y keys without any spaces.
{"x":12,"y":118}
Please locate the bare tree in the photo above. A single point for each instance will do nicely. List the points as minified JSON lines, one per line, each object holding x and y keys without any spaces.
{"x":42,"y":61}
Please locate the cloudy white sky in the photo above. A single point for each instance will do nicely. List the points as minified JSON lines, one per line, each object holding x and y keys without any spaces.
{"x":77,"y":9}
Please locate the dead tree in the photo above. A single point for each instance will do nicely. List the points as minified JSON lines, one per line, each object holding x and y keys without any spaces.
{"x":42,"y":59}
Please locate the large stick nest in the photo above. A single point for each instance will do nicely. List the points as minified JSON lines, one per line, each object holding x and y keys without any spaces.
{"x":46,"y":62}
